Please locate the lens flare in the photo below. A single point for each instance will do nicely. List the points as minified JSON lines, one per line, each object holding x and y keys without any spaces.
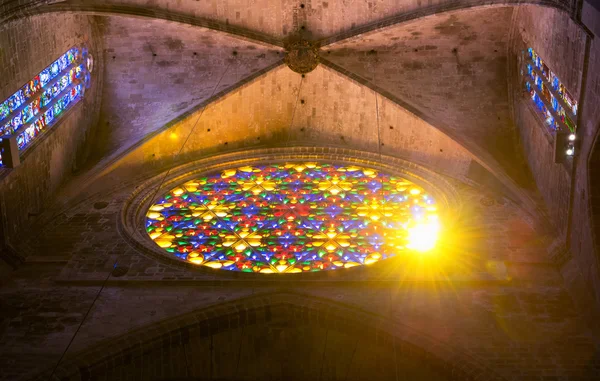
{"x":423,"y":236}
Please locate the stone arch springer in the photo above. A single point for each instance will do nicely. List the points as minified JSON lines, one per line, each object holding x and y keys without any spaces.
{"x":263,"y":309}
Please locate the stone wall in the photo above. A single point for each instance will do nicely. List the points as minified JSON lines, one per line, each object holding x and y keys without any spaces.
{"x":293,"y":114}
{"x":27,"y":48}
{"x":501,"y":308}
{"x":270,"y":336}
{"x":274,"y":19}
{"x":497,"y":300}
{"x":585,"y":223}
{"x":562,"y":44}
{"x":450,"y":70}
{"x":153,"y":78}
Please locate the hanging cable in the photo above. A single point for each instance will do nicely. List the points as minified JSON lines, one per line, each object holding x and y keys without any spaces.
{"x":378,"y":128}
{"x":211,"y":348}
{"x":188,"y":136}
{"x":253,"y":249}
{"x":237,"y":367}
{"x":393,"y":337}
{"x":81,"y":323}
{"x":380,"y":161}
{"x":308,"y":221}
{"x":294,"y":111}
{"x":381,"y":197}
{"x":352,"y":359}
{"x":135,"y":229}
{"x":187,"y":365}
{"x":323,"y":355}
{"x":376,"y":108}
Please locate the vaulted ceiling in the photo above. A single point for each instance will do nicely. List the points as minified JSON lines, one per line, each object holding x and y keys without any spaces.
{"x":450,"y":70}
{"x":426,"y":82}
{"x":268,"y":20}
{"x":423,"y":81}
{"x":158,"y":70}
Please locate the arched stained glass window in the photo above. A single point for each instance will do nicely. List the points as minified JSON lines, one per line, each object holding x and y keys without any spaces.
{"x":293,"y":217}
{"x":41,"y":102}
{"x":557,"y":106}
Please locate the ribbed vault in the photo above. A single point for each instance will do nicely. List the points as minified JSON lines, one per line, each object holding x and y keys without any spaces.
{"x":450,"y":69}
{"x":270,"y":21}
{"x":418,"y":84}
{"x":158,"y":70}
{"x":334,"y":112}
{"x":447,"y":70}
{"x":165,"y":63}
{"x":414,"y":84}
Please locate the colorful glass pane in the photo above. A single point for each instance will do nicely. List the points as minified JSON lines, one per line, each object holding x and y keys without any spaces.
{"x":15,"y":101}
{"x":45,"y":77}
{"x":49,"y":116}
{"x":289,"y":218}
{"x":4,"y":110}
{"x":550,"y":96}
{"x":553,"y":80}
{"x":33,"y":107}
{"x":7,"y":129}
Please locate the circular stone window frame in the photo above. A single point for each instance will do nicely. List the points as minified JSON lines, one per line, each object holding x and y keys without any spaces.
{"x":133,"y":214}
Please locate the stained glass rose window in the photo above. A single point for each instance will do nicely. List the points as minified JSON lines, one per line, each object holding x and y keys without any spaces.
{"x":292,"y":218}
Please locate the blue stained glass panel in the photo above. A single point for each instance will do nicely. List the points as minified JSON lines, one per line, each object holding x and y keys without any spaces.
{"x":64,"y":82}
{"x":549,"y":119}
{"x":49,"y":116}
{"x":46,"y":97}
{"x":15,"y":101}
{"x":57,"y":109}
{"x":45,"y":77}
{"x":54,"y":70}
{"x":7,"y":129}
{"x":555,"y":83}
{"x":17,"y":121}
{"x":27,"y":114}
{"x":39,"y":102}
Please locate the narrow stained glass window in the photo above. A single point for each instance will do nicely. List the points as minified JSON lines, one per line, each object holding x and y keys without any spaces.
{"x":41,"y":102}
{"x":556,"y":105}
{"x":292,"y":218}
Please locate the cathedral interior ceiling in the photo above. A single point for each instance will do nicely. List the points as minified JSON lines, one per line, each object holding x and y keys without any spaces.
{"x":448,"y":69}
{"x":435,"y":88}
{"x":268,"y":20}
{"x":423,"y":83}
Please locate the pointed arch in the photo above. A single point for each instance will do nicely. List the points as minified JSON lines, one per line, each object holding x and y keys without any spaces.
{"x":275,"y":313}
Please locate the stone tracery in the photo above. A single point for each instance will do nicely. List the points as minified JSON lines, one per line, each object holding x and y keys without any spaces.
{"x":289,"y":217}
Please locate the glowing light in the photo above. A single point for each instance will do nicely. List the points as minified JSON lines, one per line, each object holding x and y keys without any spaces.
{"x":292,"y":218}
{"x":423,"y":236}
{"x":572,"y":137}
{"x":281,"y":268}
{"x":173,"y":135}
{"x":196,"y":260}
{"x":570,"y":152}
{"x":163,"y":243}
{"x":154,"y":215}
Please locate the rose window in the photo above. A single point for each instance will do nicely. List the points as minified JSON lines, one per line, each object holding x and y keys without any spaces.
{"x":292,"y":218}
